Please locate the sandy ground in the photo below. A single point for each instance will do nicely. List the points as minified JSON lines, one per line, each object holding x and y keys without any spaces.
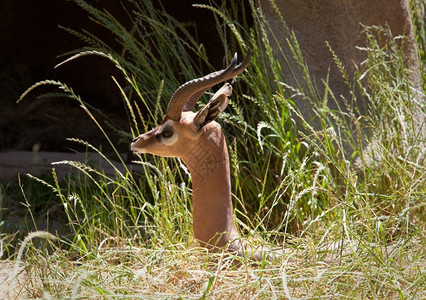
{"x":12,"y":286}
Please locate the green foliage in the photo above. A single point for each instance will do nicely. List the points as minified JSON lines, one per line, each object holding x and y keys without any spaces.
{"x":322,"y":194}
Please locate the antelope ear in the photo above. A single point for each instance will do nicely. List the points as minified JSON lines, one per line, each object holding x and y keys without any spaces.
{"x":214,"y":107}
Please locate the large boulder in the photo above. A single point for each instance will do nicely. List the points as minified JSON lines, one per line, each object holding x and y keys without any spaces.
{"x":340,"y":23}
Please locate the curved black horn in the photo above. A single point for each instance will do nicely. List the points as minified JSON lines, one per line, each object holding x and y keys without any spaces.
{"x":242,"y":66}
{"x":186,"y":90}
{"x":188,"y":94}
{"x":192,"y":100}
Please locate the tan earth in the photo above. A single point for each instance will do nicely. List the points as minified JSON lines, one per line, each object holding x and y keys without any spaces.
{"x":12,"y":286}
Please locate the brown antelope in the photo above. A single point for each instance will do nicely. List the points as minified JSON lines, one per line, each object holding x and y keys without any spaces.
{"x":198,"y":140}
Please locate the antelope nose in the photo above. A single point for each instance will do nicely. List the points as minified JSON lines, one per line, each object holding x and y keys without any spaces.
{"x":135,"y":139}
{"x":132,"y":145}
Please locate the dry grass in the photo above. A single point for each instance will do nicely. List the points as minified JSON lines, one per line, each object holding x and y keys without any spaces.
{"x":350,"y":231}
{"x":190,"y":273}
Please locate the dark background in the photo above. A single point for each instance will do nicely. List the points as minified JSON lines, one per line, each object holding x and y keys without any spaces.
{"x":32,"y":44}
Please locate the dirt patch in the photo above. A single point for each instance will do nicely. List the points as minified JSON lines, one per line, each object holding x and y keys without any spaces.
{"x":12,"y":282}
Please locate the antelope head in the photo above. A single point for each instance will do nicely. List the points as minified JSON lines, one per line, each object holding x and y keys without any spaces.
{"x":181,"y":127}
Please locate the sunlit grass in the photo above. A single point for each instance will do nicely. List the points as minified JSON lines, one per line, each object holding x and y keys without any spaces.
{"x":347,"y":213}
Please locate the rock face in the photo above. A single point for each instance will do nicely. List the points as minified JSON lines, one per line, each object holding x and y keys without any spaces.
{"x":339,"y":23}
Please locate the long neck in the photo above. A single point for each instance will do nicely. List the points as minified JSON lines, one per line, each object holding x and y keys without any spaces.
{"x":213,"y":217}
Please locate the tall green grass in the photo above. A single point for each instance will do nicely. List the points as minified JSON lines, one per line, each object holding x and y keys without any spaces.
{"x":294,"y":186}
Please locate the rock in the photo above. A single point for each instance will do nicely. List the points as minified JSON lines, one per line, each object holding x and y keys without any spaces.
{"x":338,"y":23}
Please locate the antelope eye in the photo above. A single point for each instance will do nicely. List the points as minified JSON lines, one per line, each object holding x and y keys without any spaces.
{"x":167,"y":132}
